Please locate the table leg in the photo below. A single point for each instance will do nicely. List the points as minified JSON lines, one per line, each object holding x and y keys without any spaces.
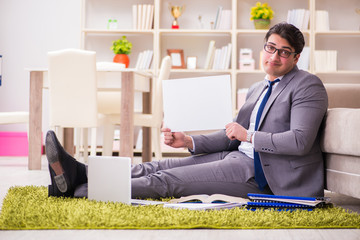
{"x":146,"y":141}
{"x":35,"y":120}
{"x":127,"y":115}
{"x":69,"y":141}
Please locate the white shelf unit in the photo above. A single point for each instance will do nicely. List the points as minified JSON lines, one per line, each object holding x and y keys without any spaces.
{"x":344,"y":35}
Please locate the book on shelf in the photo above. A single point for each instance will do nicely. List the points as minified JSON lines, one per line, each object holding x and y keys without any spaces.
{"x":325,"y":60}
{"x":222,"y":19}
{"x":322,"y":20}
{"x":299,"y":18}
{"x":143,"y":16}
{"x":228,"y":56}
{"x":225,"y":19}
{"x":210,"y":55}
{"x":217,"y":57}
{"x":218,"y":16}
{"x":304,"y":59}
{"x":222,"y":58}
{"x":144,"y":60}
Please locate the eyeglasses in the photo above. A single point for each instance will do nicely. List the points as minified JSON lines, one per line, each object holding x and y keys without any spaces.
{"x":282,"y":52}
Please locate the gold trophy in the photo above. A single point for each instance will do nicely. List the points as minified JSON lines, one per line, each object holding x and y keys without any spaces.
{"x":176,"y":11}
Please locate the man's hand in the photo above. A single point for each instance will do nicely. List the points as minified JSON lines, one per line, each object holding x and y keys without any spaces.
{"x":235,"y":131}
{"x":177,"y":139}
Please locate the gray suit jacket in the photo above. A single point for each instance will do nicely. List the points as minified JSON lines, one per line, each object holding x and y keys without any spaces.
{"x":288,"y":135}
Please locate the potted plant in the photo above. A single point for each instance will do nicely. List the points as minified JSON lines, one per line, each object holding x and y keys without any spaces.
{"x":122,"y":48}
{"x":261,"y":14}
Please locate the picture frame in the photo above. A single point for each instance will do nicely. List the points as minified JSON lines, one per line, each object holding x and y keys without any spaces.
{"x":191,"y":62}
{"x":177,"y":58}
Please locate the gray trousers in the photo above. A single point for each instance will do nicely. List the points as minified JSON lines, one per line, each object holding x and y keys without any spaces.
{"x":230,"y":173}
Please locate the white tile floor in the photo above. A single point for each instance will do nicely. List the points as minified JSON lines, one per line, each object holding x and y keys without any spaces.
{"x":13,"y":171}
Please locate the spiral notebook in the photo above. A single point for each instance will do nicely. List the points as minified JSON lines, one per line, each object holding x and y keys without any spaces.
{"x":286,"y":202}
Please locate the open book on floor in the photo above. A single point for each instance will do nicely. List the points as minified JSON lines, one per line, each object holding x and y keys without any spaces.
{"x":214,"y":198}
{"x":207,"y":202}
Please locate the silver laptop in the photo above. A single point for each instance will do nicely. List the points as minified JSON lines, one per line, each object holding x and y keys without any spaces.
{"x":109,"y":179}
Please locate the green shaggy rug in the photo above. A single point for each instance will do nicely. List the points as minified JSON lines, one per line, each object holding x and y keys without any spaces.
{"x":30,"y":208}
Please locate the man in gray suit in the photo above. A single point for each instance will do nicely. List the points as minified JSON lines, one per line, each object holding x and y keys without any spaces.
{"x":272,"y":147}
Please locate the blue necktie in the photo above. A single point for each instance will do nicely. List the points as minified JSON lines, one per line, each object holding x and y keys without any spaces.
{"x":259,"y":173}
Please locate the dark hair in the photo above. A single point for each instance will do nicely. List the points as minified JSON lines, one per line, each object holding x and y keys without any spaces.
{"x":289,"y":32}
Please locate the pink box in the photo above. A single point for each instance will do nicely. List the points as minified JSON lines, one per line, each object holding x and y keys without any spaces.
{"x":14,"y":144}
{"x":247,"y":64}
{"x":245,"y":53}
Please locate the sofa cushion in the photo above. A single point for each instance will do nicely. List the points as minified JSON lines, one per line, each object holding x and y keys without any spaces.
{"x":340,"y":132}
{"x":343,"y":163}
{"x":343,"y":183}
{"x":343,"y":95}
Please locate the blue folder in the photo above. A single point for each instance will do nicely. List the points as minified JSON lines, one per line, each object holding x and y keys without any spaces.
{"x":284,"y":202}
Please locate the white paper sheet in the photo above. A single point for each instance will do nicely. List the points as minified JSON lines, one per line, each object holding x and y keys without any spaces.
{"x":194,"y":104}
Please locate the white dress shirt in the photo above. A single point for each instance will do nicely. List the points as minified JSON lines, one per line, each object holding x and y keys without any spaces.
{"x":248,"y":147}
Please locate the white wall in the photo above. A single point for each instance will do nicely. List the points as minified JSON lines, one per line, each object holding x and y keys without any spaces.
{"x":28,"y":30}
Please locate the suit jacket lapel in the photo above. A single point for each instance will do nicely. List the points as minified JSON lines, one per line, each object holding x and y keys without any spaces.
{"x":243,"y":117}
{"x":279,"y":88}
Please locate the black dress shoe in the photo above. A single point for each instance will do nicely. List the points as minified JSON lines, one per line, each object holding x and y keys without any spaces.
{"x":65,"y":172}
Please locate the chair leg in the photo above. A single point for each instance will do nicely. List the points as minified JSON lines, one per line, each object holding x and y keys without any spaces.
{"x":85,"y":144}
{"x":108,"y":139}
{"x":156,"y":140}
{"x":93,"y":142}
{"x":78,"y":133}
{"x":59,"y":131}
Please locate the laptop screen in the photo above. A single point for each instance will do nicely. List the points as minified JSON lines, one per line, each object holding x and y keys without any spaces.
{"x":109,"y":179}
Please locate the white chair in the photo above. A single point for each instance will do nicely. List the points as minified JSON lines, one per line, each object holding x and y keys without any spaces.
{"x":73,"y":94}
{"x":108,"y":104}
{"x":14,"y":118}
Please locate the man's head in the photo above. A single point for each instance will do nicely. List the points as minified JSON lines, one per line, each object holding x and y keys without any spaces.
{"x":283,"y":45}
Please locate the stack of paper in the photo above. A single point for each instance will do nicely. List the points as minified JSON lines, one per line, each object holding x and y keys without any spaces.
{"x":325,"y":60}
{"x":144,"y":59}
{"x":299,"y":18}
{"x":143,"y":15}
{"x":322,"y":20}
{"x":223,"y":19}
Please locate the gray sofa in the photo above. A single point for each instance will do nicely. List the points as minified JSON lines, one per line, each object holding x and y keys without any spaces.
{"x":340,"y":139}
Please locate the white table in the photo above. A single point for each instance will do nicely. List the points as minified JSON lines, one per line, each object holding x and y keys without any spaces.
{"x":129,"y":81}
